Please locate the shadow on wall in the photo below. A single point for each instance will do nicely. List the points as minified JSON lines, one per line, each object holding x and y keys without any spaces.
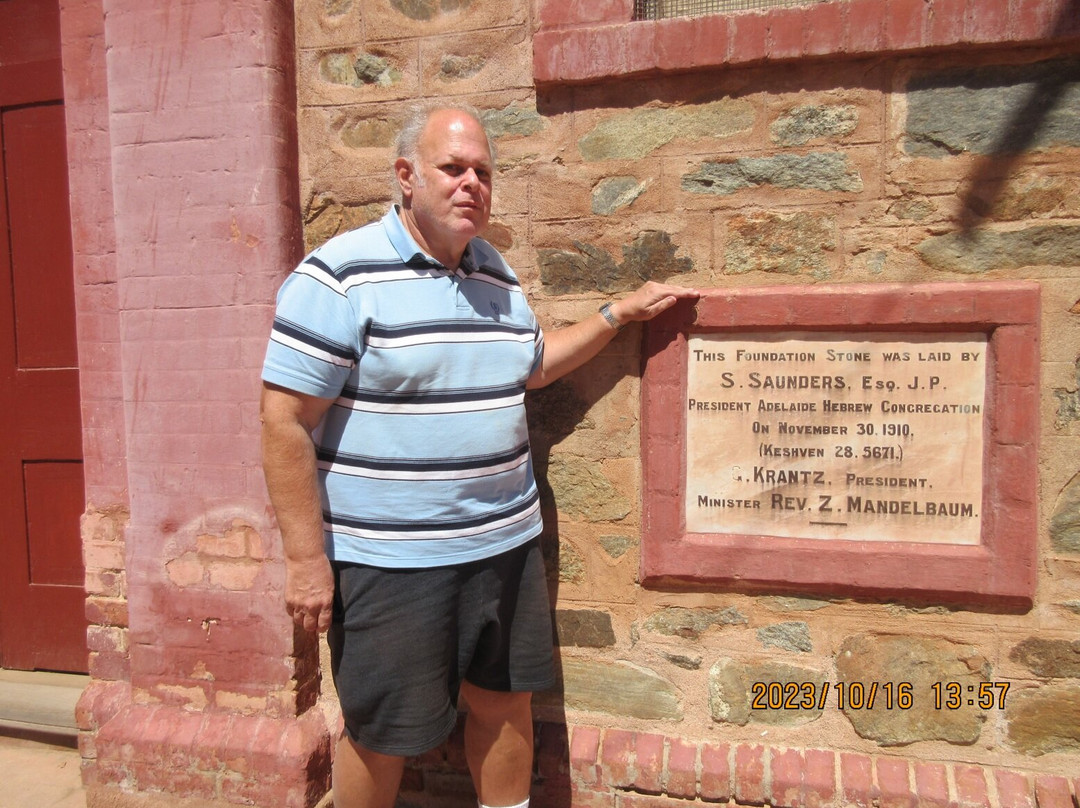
{"x":988,"y":180}
{"x":555,"y":412}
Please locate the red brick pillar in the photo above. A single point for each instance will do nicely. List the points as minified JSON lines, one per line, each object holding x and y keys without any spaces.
{"x":181,"y":120}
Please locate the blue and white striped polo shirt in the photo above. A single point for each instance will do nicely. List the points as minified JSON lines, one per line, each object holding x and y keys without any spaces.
{"x":424,"y":455}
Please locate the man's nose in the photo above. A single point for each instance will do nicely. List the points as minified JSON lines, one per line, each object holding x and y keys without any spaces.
{"x":469,"y":178}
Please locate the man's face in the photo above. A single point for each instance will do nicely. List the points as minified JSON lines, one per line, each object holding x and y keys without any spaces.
{"x":448,"y":190}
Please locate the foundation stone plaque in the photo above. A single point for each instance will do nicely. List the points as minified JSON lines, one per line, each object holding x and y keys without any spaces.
{"x":836,"y":435}
{"x":845,"y":440}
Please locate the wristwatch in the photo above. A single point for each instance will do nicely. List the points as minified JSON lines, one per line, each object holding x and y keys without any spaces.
{"x":605,"y":310}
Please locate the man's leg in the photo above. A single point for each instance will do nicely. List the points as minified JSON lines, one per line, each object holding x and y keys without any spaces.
{"x":499,"y":744}
{"x":365,"y":779}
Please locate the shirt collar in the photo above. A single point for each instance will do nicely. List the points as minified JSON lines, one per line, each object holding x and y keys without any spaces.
{"x":410,"y":252}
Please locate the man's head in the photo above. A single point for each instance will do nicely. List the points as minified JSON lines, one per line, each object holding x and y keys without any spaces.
{"x":444,"y":168}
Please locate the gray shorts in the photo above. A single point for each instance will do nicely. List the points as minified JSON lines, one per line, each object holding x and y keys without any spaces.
{"x":403,"y":640}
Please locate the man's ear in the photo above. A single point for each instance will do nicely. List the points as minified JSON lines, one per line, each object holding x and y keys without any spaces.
{"x":406,"y":178}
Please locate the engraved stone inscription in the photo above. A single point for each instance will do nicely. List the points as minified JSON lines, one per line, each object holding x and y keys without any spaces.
{"x":863,"y":437}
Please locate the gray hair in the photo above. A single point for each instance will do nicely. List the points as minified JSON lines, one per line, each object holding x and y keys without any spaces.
{"x":416,"y":118}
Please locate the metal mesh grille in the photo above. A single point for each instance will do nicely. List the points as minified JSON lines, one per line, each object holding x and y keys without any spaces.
{"x":662,"y":9}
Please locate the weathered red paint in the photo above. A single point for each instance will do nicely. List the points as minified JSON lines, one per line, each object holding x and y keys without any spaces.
{"x":574,"y":46}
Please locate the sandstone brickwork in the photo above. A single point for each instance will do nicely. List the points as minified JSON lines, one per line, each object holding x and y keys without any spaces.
{"x":913,"y":167}
{"x":858,"y":142}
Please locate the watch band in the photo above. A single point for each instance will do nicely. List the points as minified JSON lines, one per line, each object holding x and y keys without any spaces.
{"x":605,"y":310}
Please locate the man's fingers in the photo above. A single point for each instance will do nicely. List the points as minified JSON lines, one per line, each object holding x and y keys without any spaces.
{"x":324,"y":621}
{"x":313,"y":619}
{"x":666,"y":303}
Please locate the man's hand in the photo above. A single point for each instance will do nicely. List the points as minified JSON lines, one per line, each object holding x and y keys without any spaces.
{"x":569,"y":348}
{"x":649,"y":300}
{"x":309,"y":593}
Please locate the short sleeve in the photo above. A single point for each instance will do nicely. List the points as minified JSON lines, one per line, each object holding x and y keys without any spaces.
{"x":314,"y":342}
{"x":538,"y":350}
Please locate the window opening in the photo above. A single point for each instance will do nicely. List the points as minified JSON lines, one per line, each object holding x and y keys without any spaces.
{"x":663,"y":9}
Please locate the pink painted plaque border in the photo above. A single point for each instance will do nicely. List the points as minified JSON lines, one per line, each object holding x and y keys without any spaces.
{"x":998,"y":572}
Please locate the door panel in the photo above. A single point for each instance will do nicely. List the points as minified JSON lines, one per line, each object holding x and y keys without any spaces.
{"x":42,"y":602}
{"x":53,"y":504}
{"x":34,"y":138}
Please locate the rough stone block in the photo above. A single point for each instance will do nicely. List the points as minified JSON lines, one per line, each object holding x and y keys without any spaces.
{"x":1049,"y":658}
{"x":690,"y":624}
{"x":793,"y":635}
{"x":582,"y":490}
{"x":986,"y":250}
{"x":1044,"y":719}
{"x":651,"y":255}
{"x":802,"y":124}
{"x":475,"y":62}
{"x":585,"y":628}
{"x":817,"y":171}
{"x":921,"y":662}
{"x":635,"y":134}
{"x":786,"y":244}
{"x":619,"y":689}
{"x":1065,"y":521}
{"x":998,"y":110}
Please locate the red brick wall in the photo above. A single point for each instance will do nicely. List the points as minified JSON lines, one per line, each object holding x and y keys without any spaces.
{"x":612,"y":768}
{"x":185,"y":220}
{"x":585,"y":42}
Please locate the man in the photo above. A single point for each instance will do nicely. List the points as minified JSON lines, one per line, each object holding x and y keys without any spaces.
{"x":396,"y":457}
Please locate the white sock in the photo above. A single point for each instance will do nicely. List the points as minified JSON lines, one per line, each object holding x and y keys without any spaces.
{"x":519,"y":805}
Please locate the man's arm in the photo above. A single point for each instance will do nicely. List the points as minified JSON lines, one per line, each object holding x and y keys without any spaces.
{"x":569,"y":348}
{"x":292,"y":481}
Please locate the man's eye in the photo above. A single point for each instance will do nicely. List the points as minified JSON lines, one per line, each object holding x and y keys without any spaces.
{"x":452,"y":169}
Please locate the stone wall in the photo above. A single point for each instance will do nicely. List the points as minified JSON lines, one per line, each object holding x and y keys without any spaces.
{"x":939,"y":166}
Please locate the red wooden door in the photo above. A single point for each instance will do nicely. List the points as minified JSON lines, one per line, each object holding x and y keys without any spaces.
{"x":42,"y":623}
